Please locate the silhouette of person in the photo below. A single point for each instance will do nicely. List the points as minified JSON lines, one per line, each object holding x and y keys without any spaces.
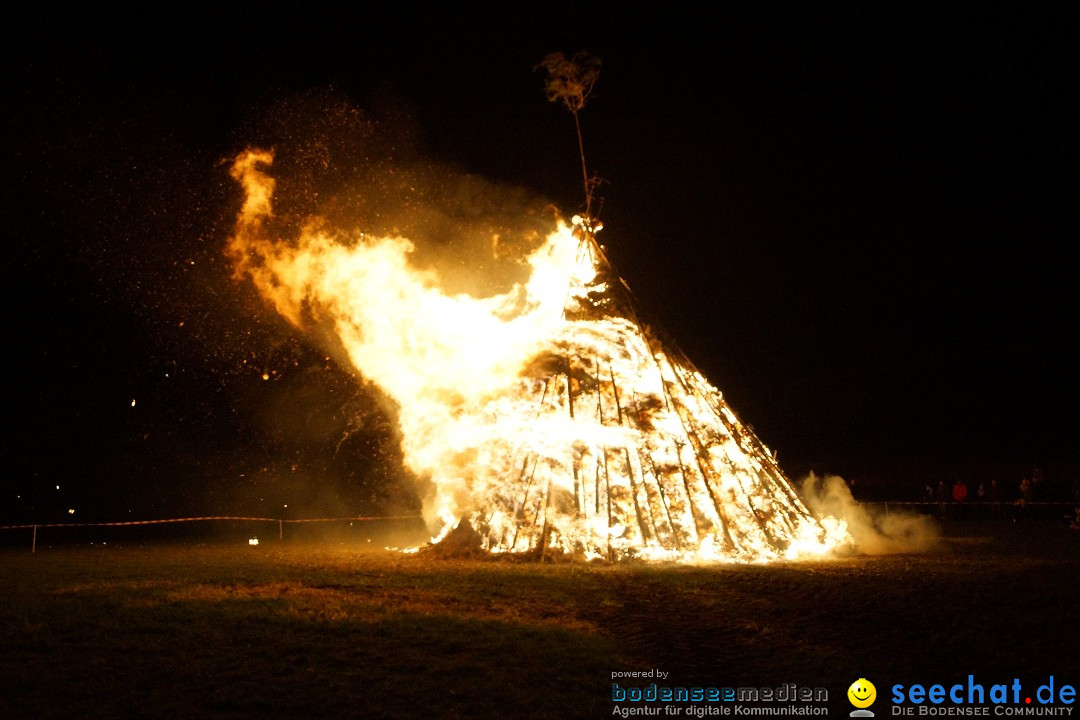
{"x":959,"y":496}
{"x":941,"y":495}
{"x":993,"y":494}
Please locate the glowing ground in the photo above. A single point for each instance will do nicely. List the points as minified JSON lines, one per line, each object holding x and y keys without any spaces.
{"x":337,"y":630}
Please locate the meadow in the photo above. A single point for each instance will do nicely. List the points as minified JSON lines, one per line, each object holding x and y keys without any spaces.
{"x":344,"y":628}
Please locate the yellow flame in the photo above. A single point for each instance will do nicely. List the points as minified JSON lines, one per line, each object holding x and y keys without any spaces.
{"x":546,"y":416}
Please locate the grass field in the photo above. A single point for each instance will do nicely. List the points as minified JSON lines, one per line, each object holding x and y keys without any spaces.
{"x":343,"y":630}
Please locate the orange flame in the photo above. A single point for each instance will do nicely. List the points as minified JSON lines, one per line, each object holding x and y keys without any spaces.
{"x":548,"y":416}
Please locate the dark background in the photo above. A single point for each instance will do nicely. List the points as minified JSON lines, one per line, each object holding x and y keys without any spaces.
{"x":856,"y":221}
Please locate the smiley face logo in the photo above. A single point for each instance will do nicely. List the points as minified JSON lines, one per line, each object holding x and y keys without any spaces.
{"x":862,"y":693}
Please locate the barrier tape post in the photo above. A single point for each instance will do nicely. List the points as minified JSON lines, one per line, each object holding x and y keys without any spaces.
{"x":33,"y":541}
{"x":280,"y":534}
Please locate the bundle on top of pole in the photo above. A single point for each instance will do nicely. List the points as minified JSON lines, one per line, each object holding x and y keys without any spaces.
{"x":570,"y":80}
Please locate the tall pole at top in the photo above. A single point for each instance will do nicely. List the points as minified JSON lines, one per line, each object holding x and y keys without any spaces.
{"x":570,"y":80}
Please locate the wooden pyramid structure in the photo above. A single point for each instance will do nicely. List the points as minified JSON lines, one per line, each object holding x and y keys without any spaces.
{"x":645,"y":458}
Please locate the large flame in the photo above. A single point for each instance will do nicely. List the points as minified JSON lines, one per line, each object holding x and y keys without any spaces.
{"x":548,"y":417}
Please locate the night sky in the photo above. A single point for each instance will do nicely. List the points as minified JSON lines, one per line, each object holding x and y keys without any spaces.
{"x":858,"y":224}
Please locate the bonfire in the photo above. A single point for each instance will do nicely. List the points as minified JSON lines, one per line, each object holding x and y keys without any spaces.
{"x":550,"y":420}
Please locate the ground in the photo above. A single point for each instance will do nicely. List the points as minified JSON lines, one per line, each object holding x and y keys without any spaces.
{"x":348,"y":629}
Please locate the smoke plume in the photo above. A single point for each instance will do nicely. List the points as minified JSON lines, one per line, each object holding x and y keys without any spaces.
{"x":873,"y":531}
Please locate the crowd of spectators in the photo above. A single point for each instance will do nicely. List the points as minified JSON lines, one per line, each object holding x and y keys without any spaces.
{"x":1031,"y":497}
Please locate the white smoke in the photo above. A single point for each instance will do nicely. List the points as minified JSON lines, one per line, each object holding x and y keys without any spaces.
{"x":874,"y":531}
